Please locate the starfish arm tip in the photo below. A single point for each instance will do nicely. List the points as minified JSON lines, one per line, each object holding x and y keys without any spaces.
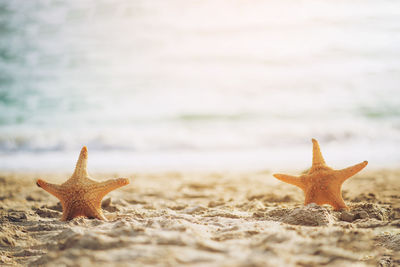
{"x":346,"y":173}
{"x":279,"y":176}
{"x":84,"y":151}
{"x":39,"y":182}
{"x":317,"y":159}
{"x":81,"y":164}
{"x":112,"y":184}
{"x":123,"y":181}
{"x":363,"y":164}
{"x":53,"y":189}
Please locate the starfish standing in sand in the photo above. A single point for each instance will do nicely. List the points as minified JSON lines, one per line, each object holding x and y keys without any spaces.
{"x":322,"y":184}
{"x":80,"y":195}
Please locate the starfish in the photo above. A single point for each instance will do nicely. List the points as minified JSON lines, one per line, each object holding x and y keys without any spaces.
{"x":80,"y":196}
{"x":322,"y":184}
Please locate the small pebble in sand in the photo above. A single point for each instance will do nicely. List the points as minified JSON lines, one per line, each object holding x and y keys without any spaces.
{"x":106,"y":203}
{"x":30,"y":198}
{"x":347,"y":216}
{"x":361,"y":215}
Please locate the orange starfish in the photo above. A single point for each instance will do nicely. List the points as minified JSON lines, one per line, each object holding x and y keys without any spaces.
{"x":80,"y":195}
{"x":322,"y":184}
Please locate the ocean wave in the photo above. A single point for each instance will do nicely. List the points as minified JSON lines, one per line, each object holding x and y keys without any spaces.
{"x":197,"y":135}
{"x":131,"y":77}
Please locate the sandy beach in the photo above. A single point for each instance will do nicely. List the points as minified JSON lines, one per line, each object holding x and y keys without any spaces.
{"x":203,"y":219}
{"x":198,"y":104}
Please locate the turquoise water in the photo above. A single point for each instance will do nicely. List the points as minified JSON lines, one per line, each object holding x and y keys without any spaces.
{"x":198,"y":84}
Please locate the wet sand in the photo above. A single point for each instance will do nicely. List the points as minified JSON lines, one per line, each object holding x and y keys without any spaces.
{"x":203,"y":219}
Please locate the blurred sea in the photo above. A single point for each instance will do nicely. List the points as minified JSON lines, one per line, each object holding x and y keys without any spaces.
{"x":198,"y":84}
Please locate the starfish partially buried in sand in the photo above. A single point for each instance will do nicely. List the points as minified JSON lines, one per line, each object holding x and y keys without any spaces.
{"x":80,"y":196}
{"x":322,"y":184}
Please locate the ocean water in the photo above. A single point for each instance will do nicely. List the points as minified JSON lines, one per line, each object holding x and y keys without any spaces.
{"x":211,"y":84}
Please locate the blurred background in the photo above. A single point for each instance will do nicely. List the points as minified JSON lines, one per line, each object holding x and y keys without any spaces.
{"x":207,"y":84}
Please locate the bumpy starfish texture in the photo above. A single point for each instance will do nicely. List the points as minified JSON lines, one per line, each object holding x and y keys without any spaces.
{"x":80,"y":196}
{"x":322,"y":184}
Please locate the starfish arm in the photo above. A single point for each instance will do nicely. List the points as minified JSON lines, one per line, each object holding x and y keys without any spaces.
{"x":318,"y":159}
{"x":98,"y":214}
{"x":103,"y":188}
{"x":338,"y":204}
{"x":68,"y":212}
{"x":53,"y":189}
{"x":81,"y":165}
{"x":346,"y":173}
{"x":93,"y":211}
{"x":294,"y":180}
